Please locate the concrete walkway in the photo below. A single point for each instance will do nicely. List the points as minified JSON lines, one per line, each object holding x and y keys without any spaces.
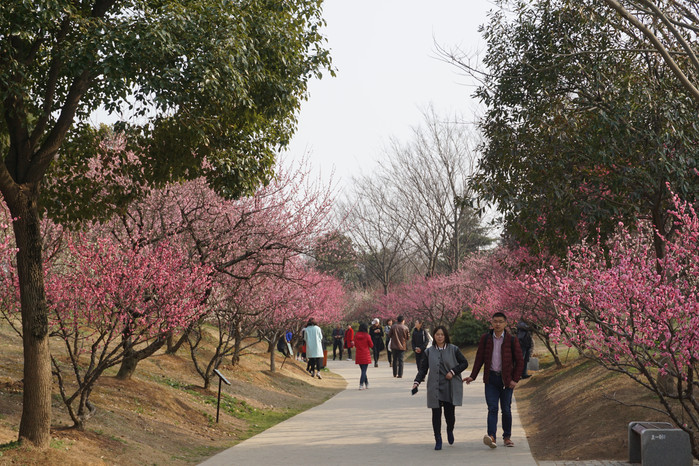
{"x":379,"y":426}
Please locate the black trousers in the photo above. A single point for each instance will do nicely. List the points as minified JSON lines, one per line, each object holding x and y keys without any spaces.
{"x":314,"y":364}
{"x":377,"y":353}
{"x":397,"y":363}
{"x":337,"y":344}
{"x":418,"y":358}
{"x":448,"y":416}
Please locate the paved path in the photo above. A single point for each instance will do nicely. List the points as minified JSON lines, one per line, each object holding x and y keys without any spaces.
{"x":380,"y":426}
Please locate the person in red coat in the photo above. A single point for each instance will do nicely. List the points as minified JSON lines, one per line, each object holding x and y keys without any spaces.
{"x":362,"y":341}
{"x":501,"y":357}
{"x":349,"y":341}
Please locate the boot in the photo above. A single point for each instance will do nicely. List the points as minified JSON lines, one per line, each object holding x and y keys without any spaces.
{"x":450,"y":437}
{"x":438,"y":441}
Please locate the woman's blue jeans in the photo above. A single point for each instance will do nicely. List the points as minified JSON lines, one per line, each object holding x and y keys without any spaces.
{"x":363,"y":380}
{"x":496,"y":393}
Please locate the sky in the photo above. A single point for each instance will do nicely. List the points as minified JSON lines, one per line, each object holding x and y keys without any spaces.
{"x":387,"y":73}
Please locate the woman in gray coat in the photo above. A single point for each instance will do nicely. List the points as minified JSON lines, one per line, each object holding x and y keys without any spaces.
{"x":444,"y":362}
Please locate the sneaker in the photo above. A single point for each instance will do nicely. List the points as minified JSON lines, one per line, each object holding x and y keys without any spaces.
{"x":318,"y":375}
{"x":366,"y":385}
{"x":349,"y":359}
{"x":490,"y":441}
{"x":508,"y":442}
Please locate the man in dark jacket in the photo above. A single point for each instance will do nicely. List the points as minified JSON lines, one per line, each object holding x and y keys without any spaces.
{"x":337,"y":341}
{"x":399,"y":335}
{"x":501,"y":355}
{"x":524,"y":335}
{"x":419,"y":342}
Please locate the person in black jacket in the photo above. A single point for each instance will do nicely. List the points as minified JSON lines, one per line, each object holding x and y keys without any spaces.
{"x":524,"y":335}
{"x":386,"y":329}
{"x":337,"y":335}
{"x":419,"y":342}
{"x":376,"y":333}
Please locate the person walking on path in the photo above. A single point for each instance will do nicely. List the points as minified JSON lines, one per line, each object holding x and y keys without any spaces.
{"x":386,"y":331}
{"x":376,"y":333}
{"x":524,"y":335}
{"x":398,"y":335}
{"x":501,"y":355}
{"x":419,"y":342}
{"x":362,"y":356}
{"x":337,"y":341}
{"x":314,"y":347}
{"x":444,"y":362}
{"x":349,"y":341}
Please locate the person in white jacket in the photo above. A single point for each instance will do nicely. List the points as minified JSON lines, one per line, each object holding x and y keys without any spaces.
{"x":314,"y":347}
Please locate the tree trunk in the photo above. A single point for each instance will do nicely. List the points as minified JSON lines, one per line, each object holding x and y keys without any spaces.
{"x":132,"y":358}
{"x":128,"y":365}
{"x":272,"y":348}
{"x":272,"y":364}
{"x":554,"y":353}
{"x":173,"y":347}
{"x":235,"y":359}
{"x":35,"y":425}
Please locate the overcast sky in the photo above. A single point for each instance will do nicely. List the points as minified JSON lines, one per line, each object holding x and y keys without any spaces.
{"x":384,"y":53}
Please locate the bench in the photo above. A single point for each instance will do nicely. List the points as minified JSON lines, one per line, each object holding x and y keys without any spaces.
{"x":658,"y":444}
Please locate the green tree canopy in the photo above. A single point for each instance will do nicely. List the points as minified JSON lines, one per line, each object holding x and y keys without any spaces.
{"x":582,"y":128}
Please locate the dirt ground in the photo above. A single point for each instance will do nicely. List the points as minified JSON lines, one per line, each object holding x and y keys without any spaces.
{"x":568,"y":413}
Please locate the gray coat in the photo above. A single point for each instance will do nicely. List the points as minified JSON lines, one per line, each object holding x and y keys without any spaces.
{"x":438,"y":363}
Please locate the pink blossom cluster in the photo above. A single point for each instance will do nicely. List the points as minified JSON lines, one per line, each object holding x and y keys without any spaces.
{"x":437,"y":300}
{"x":101,"y":292}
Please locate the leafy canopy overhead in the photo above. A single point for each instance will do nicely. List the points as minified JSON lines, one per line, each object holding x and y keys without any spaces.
{"x":582,"y":128}
{"x":201,"y":87}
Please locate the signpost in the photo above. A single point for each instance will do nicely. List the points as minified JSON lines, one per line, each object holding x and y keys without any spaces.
{"x":220,"y":379}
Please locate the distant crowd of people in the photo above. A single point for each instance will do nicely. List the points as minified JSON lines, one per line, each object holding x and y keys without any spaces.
{"x":502,"y":356}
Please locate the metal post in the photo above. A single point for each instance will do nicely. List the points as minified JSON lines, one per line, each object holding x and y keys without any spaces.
{"x":218,"y":403}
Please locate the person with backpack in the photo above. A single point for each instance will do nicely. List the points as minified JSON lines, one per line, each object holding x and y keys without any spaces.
{"x":500,"y":355}
{"x":524,"y":335}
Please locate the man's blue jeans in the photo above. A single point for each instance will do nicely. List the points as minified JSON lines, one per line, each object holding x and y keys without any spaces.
{"x":496,"y":393}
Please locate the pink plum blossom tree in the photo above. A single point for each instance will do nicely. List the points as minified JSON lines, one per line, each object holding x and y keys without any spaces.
{"x":635,"y":313}
{"x":108,"y":303}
